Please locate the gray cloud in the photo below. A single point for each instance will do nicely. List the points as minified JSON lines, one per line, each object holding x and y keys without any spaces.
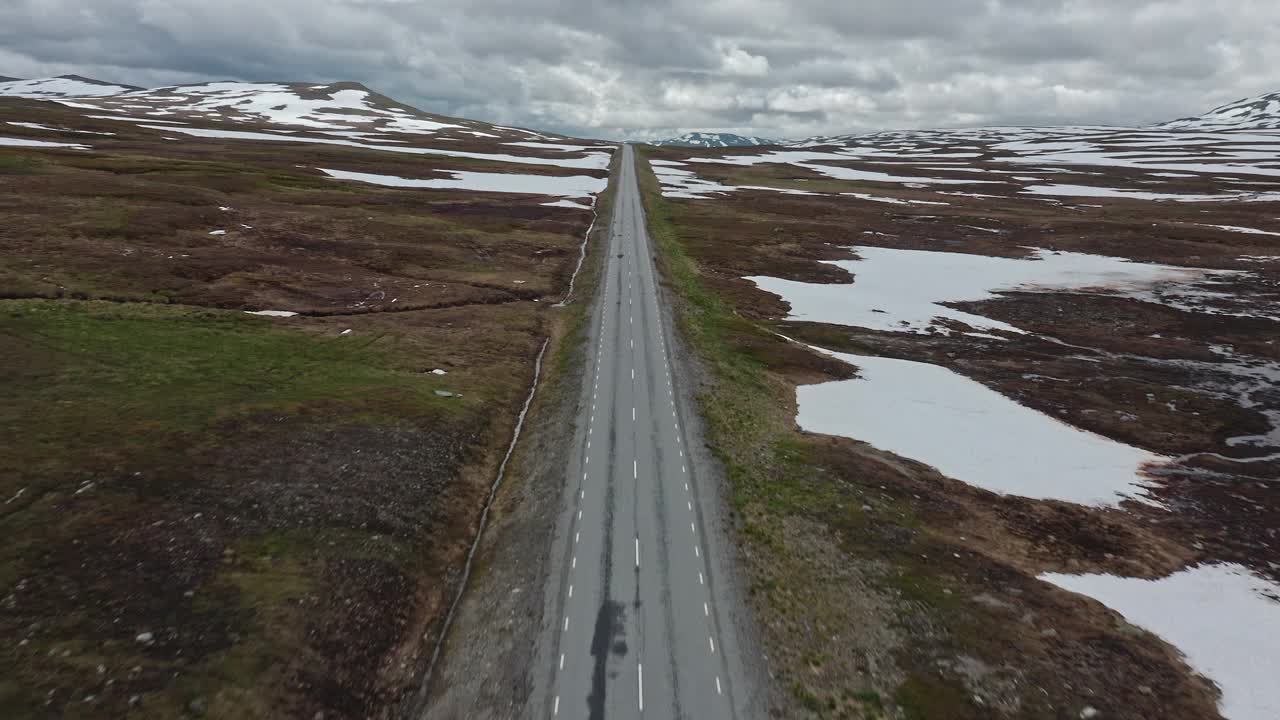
{"x":631,"y":68}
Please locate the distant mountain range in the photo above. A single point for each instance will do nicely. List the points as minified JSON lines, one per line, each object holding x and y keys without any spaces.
{"x":698,"y":139}
{"x":247,"y":101}
{"x":1257,"y":113}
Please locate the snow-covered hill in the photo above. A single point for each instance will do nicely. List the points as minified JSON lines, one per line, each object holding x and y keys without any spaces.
{"x":697,"y":139}
{"x":345,"y":109}
{"x":1256,"y":113}
{"x":63,"y":86}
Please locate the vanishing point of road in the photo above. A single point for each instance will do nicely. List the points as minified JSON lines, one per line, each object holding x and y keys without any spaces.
{"x":640,"y":629}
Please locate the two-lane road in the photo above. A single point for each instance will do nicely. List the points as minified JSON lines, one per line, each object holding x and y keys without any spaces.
{"x":637,"y":631}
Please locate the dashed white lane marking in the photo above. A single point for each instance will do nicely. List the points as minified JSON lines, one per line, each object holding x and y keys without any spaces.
{"x":635,"y":470}
{"x":695,"y":552}
{"x":700,"y":582}
{"x":573,"y":565}
{"x":566,"y":623}
{"x":693,"y":529}
{"x":640,"y":684}
{"x":561,"y":661}
{"x":571,"y":592}
{"x":718,"y":691}
{"x":576,"y":536}
{"x":633,"y":414}
{"x":556,"y":709}
{"x":713,"y":644}
{"x":637,"y":552}
{"x":690,"y":506}
{"x":579,"y":514}
{"x":706,"y":610}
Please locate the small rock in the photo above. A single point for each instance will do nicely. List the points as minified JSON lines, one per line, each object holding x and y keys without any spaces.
{"x":145,"y":637}
{"x":444,"y":393}
{"x":135,"y":700}
{"x":1089,"y":712}
{"x":1145,"y":689}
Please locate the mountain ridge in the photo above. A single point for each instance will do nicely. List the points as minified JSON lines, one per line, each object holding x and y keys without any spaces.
{"x":701,"y":139}
{"x":342,"y":108}
{"x":1260,"y":112}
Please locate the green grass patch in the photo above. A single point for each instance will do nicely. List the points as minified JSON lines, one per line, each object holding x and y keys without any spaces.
{"x":924,"y":697}
{"x":20,"y":164}
{"x":88,"y":383}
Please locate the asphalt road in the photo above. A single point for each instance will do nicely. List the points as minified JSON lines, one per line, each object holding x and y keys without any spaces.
{"x":638,"y":632}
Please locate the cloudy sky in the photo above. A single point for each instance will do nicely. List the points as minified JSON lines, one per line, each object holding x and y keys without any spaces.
{"x":646,"y":68}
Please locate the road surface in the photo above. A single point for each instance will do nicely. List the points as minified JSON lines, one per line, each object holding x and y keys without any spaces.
{"x":638,"y":630}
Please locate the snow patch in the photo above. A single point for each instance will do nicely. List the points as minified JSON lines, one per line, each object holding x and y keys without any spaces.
{"x":1223,"y":618}
{"x":46,"y":88}
{"x":591,"y":161}
{"x":971,"y":433}
{"x":902,"y":290}
{"x":567,"y":204}
{"x":27,"y":142}
{"x":574,"y":186}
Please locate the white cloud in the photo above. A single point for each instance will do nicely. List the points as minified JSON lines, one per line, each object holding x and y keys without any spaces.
{"x":768,"y":67}
{"x":736,"y":61}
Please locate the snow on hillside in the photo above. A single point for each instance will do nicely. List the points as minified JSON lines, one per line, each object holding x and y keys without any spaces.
{"x":341,"y":114}
{"x":341,"y":107}
{"x":1257,"y":113}
{"x":347,"y":110}
{"x":697,"y":139}
{"x":59,"y":87}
